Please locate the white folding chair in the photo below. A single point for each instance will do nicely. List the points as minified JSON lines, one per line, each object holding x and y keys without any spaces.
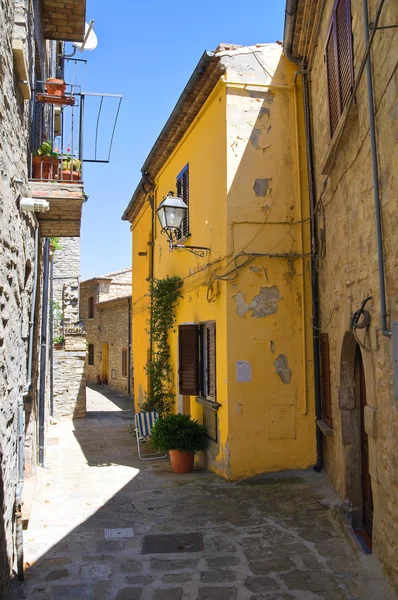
{"x":143,"y":427}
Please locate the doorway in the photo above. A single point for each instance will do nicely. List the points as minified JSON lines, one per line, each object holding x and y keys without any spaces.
{"x":366,"y":483}
{"x":104,"y":371}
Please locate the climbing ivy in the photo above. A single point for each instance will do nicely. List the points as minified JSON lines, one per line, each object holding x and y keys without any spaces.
{"x":165,"y":294}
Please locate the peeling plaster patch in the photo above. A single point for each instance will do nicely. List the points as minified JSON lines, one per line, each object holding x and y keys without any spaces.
{"x":256,"y":270}
{"x":266,"y":302}
{"x":265,"y":208}
{"x":254,"y":137}
{"x":267,"y":96}
{"x":264,"y":111}
{"x":272,"y":346}
{"x":241,"y":306}
{"x":282,"y":368}
{"x":261,"y":186}
{"x":238,"y":409}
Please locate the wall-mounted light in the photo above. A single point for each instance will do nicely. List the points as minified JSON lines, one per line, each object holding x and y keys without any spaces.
{"x":171,"y":212}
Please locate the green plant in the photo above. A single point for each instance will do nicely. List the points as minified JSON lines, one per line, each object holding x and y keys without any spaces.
{"x":69,"y":162}
{"x":178,"y":432}
{"x":59,"y":339}
{"x":46,"y":149}
{"x":165,"y":294}
{"x":55,"y":245}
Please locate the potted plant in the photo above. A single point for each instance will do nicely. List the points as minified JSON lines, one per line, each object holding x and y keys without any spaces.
{"x":182,"y":437}
{"x":55,"y":87}
{"x":59,"y":342}
{"x":70,"y":169}
{"x":45,"y":162}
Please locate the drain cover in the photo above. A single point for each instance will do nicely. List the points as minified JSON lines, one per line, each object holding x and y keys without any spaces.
{"x":172,"y":542}
{"x":122,"y":532}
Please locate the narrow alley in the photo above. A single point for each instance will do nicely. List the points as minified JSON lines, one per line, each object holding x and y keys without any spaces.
{"x":271,"y":538}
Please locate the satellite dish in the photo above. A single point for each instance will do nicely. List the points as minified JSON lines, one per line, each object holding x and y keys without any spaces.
{"x":90,"y":41}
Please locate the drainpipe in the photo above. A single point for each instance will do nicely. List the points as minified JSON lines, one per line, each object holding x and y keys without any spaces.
{"x":21,"y":418}
{"x":375,"y":175}
{"x":314,"y":271}
{"x":51,"y":332}
{"x":290,"y":22}
{"x":129,"y":349}
{"x":43,"y":351}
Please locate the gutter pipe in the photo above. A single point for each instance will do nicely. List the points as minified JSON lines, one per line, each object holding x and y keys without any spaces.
{"x":129,"y":348}
{"x":21,"y":418}
{"x":51,"y":335}
{"x":375,"y":175}
{"x":290,"y":22}
{"x":43,"y":351}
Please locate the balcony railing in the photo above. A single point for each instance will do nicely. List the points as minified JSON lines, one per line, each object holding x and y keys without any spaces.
{"x":57,"y":133}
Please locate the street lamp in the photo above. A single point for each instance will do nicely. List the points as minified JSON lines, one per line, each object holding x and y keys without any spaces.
{"x":171,"y":213}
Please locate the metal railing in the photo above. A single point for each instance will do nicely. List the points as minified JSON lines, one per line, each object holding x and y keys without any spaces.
{"x":57,"y":133}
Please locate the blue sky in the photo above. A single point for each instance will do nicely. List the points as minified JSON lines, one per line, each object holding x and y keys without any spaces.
{"x":146,"y":52}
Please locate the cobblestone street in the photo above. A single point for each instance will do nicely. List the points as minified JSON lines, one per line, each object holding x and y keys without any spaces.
{"x":272,"y":538}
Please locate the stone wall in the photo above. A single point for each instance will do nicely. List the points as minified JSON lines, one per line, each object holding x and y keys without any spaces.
{"x":349,"y":273}
{"x":69,"y":383}
{"x":16,"y":271}
{"x":109,"y":325}
{"x":66,"y":278}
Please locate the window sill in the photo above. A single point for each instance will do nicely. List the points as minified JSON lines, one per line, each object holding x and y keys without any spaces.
{"x":340,"y":137}
{"x":211,"y":404}
{"x":324,"y":427}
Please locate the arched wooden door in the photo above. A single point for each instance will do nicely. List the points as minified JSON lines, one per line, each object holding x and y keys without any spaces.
{"x":366,"y":483}
{"x":105,"y":360}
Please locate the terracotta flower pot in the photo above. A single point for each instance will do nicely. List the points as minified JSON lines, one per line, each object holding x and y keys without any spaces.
{"x":181,"y":461}
{"x":55,"y":87}
{"x":44,"y":167}
{"x":71,"y":176}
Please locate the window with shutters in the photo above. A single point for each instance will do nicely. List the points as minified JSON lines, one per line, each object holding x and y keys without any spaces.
{"x":339,"y":62}
{"x":182,"y":186}
{"x":90,"y":358}
{"x":197,"y":360}
{"x":90,"y":309}
{"x":124,"y":362}
{"x":325,"y":380}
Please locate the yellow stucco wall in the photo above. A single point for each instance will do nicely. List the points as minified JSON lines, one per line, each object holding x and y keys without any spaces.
{"x":243,"y":177}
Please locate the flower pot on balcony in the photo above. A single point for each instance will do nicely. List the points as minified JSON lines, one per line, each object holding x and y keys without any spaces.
{"x":70,"y":176}
{"x":45,"y":167}
{"x":55,"y":87}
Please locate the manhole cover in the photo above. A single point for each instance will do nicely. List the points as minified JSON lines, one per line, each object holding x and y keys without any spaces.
{"x":172,"y":542}
{"x":122,"y":532}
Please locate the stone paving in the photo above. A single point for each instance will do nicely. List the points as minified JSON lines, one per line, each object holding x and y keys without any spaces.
{"x":272,"y":538}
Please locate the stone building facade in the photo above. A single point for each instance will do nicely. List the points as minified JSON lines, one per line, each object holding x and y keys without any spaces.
{"x":105,"y":308}
{"x":27,"y":54}
{"x":69,"y":382}
{"x":359,"y":349}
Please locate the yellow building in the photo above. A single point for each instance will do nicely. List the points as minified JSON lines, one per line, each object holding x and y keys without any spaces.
{"x":234,"y":150}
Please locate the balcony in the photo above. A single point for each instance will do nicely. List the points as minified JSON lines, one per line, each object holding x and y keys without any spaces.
{"x":64,"y":20}
{"x":56,"y":165}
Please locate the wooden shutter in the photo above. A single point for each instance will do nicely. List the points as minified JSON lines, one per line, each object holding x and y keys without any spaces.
{"x":188,"y":344}
{"x":211,"y":360}
{"x":91,"y":355}
{"x":91,"y":307}
{"x":339,"y":61}
{"x":183,"y":192}
{"x":325,"y":375}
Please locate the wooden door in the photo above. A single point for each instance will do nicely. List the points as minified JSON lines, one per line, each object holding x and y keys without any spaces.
{"x":104,"y":373}
{"x":366,"y":484}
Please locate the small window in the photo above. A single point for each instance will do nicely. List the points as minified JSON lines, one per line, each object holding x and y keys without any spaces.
{"x":197,"y":360}
{"x":183,"y":193}
{"x":124,"y":362}
{"x":91,"y":355}
{"x":325,"y":380}
{"x":91,"y":307}
{"x":339,"y":62}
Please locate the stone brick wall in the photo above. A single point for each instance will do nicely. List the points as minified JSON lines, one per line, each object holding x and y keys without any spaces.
{"x":349,"y":274}
{"x":16,"y":272}
{"x":109,"y":325}
{"x":69,"y":383}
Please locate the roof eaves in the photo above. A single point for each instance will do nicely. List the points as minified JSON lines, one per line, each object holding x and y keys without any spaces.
{"x":200,"y":85}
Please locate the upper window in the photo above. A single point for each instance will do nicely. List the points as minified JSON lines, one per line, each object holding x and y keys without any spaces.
{"x":91,"y":307}
{"x":91,"y":355}
{"x":124,"y":362}
{"x":197,"y":360}
{"x":339,"y":62}
{"x":182,"y":186}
